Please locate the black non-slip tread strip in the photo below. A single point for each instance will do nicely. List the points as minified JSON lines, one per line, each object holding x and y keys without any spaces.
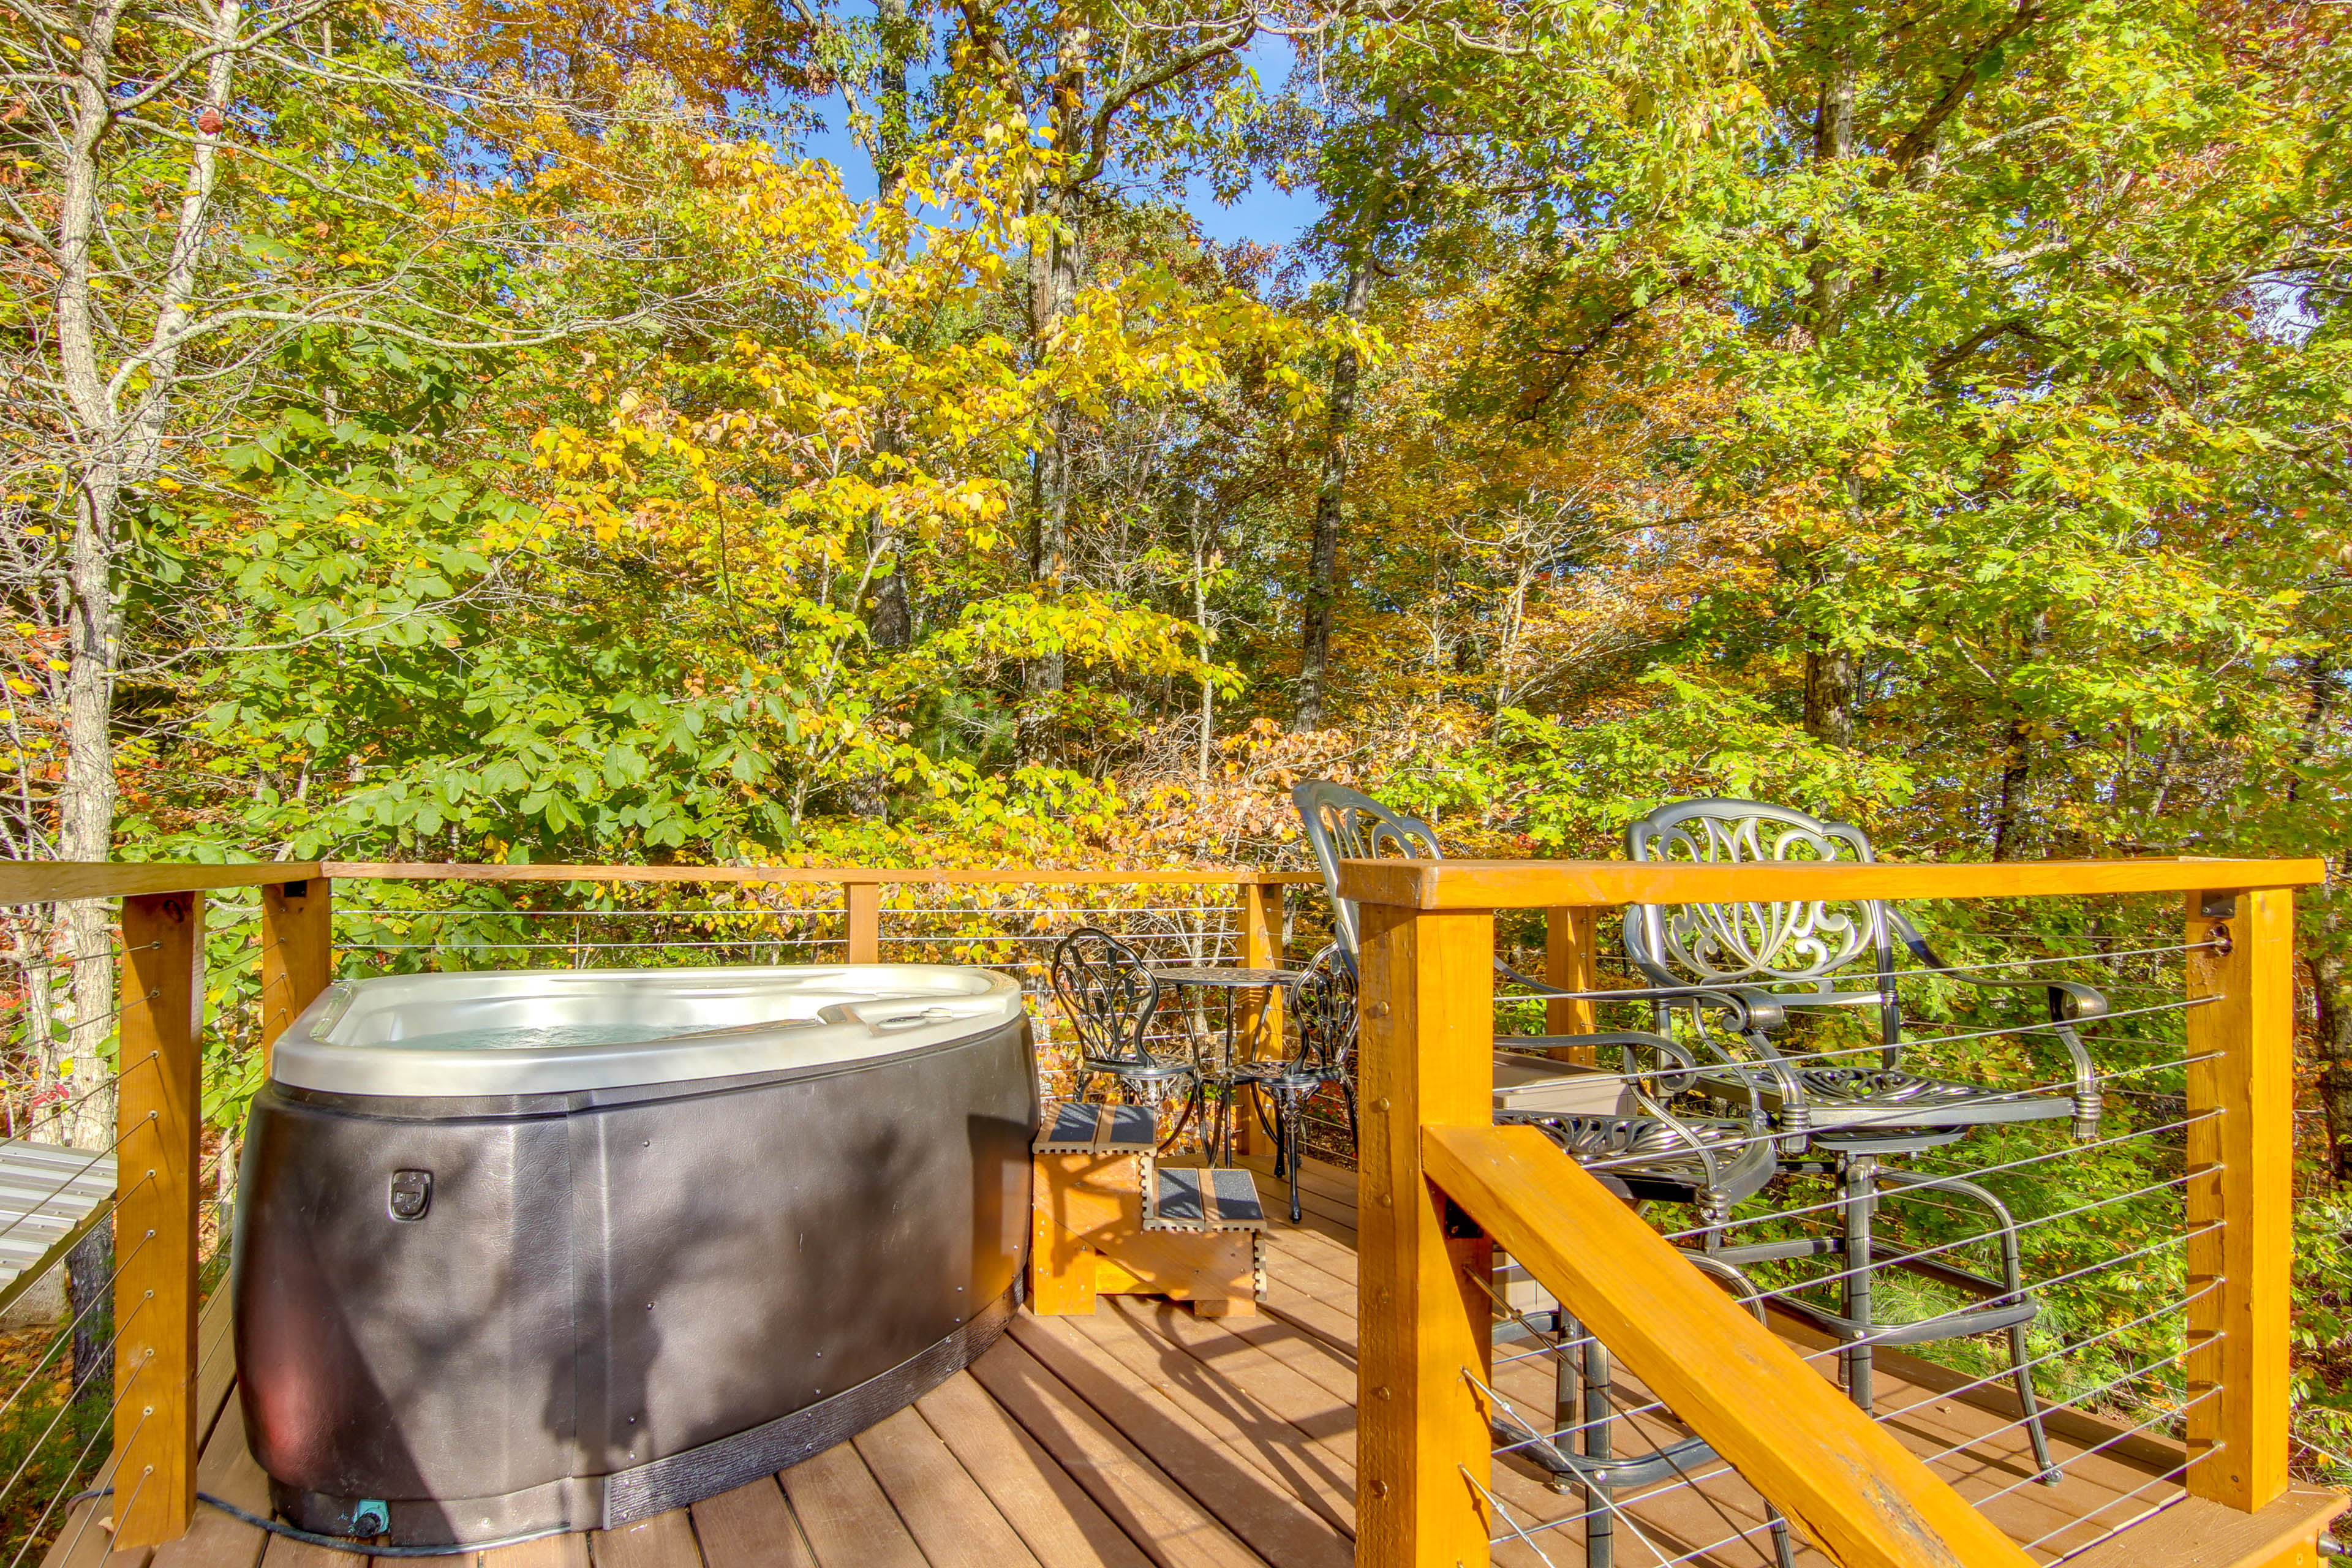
{"x":1079,"y":1129}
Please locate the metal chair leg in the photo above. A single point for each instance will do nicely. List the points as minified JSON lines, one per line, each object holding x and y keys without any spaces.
{"x":1600,"y":1517}
{"x":1293,"y":1119}
{"x":2012,"y":1276}
{"x":2021,"y":1375}
{"x":1184,"y":1119}
{"x":1861,"y":1198}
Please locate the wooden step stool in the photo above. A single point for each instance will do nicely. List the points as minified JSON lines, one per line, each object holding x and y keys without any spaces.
{"x":1107,"y":1219}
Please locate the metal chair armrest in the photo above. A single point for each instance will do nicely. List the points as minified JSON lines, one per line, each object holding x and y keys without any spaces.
{"x":2069,"y":1002}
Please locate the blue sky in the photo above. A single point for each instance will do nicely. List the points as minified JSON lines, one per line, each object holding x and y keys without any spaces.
{"x":1264,"y":214}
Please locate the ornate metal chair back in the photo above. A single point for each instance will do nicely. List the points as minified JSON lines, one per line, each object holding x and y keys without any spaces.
{"x":1324,"y":1006}
{"x":1108,"y":994}
{"x":1809,"y":952}
{"x":1343,"y":824}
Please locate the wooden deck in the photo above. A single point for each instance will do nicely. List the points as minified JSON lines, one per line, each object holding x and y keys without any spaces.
{"x":1145,"y":1435}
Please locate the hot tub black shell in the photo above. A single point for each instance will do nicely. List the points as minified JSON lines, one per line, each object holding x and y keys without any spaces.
{"x":619,"y":1300}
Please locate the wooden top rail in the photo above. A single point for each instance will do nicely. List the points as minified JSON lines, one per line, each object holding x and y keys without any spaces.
{"x":1843,"y":1479}
{"x":1544,"y":884}
{"x":1002,"y":875}
{"x":46,"y":881}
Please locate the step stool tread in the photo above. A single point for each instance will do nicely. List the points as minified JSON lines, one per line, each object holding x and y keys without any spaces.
{"x":1079,"y":1129}
{"x":1189,"y":1198}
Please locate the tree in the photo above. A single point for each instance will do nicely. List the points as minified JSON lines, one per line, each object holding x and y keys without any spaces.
{"x":195,"y":190}
{"x":1173,"y":71}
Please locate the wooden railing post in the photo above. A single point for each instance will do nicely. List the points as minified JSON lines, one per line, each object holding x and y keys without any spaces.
{"x":863,"y":903}
{"x":297,"y":953}
{"x":1427,"y":1041}
{"x":2241,"y":1194}
{"x":1261,"y":920}
{"x":1571,"y":963}
{"x":158,"y":1110}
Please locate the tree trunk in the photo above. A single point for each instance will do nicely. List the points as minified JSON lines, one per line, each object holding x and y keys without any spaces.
{"x":2018,"y":758}
{"x":1323,"y":552}
{"x":891,"y":620}
{"x":1833,"y":674}
{"x":2331,"y":986}
{"x":1833,"y":143}
{"x":1833,"y":682}
{"x":113,"y":453}
{"x":90,"y":1288}
{"x":1052,"y":291}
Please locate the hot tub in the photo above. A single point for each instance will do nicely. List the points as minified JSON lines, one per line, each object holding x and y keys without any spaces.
{"x":518,"y":1252}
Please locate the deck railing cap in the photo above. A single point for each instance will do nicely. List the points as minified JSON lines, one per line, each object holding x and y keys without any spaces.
{"x":1538,"y":884}
{"x":49,"y":881}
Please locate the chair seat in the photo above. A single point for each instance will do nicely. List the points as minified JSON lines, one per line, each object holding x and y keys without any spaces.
{"x":1890,"y":1099}
{"x":1845,"y":1096}
{"x":1655,"y":1158}
{"x":1282,"y":1075}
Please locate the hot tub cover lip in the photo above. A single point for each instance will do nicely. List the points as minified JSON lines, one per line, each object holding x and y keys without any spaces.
{"x":848,"y":1014}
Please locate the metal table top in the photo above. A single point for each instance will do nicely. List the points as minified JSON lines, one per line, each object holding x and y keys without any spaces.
{"x":1228,"y":979}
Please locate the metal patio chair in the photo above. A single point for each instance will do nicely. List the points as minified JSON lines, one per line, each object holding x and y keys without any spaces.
{"x":1710,"y":1164}
{"x":1795,"y":957}
{"x":1641,"y":1149}
{"x":1110,"y":998}
{"x":1323,"y":1010}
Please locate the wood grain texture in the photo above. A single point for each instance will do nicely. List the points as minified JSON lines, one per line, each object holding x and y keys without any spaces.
{"x":285,"y":1553}
{"x":2196,"y":1533}
{"x":1013,"y":876}
{"x":298,"y":952}
{"x":1845,"y":1480}
{"x":1249,"y":1498}
{"x":1261,"y":1010}
{"x":1214,"y":1271}
{"x":1571,"y":962}
{"x":1542,"y":884}
{"x":1157,"y":1514}
{"x":862,"y":909}
{"x":665,"y":1541}
{"x":47,"y":881}
{"x":1059,"y":1523}
{"x":944,"y":1508}
{"x":84,"y":1542}
{"x":751,"y":1527}
{"x":1427,"y":1044}
{"x":158,"y":1116}
{"x":2241,"y":1195}
{"x":848,"y":1520}
{"x":548,"y":1551}
{"x":215,"y":1363}
{"x":1246,"y":1401}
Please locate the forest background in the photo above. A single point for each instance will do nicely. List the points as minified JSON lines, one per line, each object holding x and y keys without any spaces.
{"x":473,"y":430}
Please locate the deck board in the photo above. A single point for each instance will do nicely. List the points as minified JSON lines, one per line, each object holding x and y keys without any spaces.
{"x":951,"y":1518}
{"x":751,"y":1527}
{"x":1147,"y":1438}
{"x":1061,"y":1525}
{"x":1248,"y":1473}
{"x":846,"y":1515}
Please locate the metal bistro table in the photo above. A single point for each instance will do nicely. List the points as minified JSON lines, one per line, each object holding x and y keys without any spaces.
{"x":1220,"y":1075}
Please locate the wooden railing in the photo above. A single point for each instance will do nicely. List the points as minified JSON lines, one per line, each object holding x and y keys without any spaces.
{"x":161,"y":1025}
{"x":1442,"y":1188}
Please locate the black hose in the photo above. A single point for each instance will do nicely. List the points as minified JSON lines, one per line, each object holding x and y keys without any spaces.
{"x":336,"y":1542}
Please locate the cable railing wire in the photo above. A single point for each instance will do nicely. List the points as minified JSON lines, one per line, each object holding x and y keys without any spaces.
{"x":64,"y":1334}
